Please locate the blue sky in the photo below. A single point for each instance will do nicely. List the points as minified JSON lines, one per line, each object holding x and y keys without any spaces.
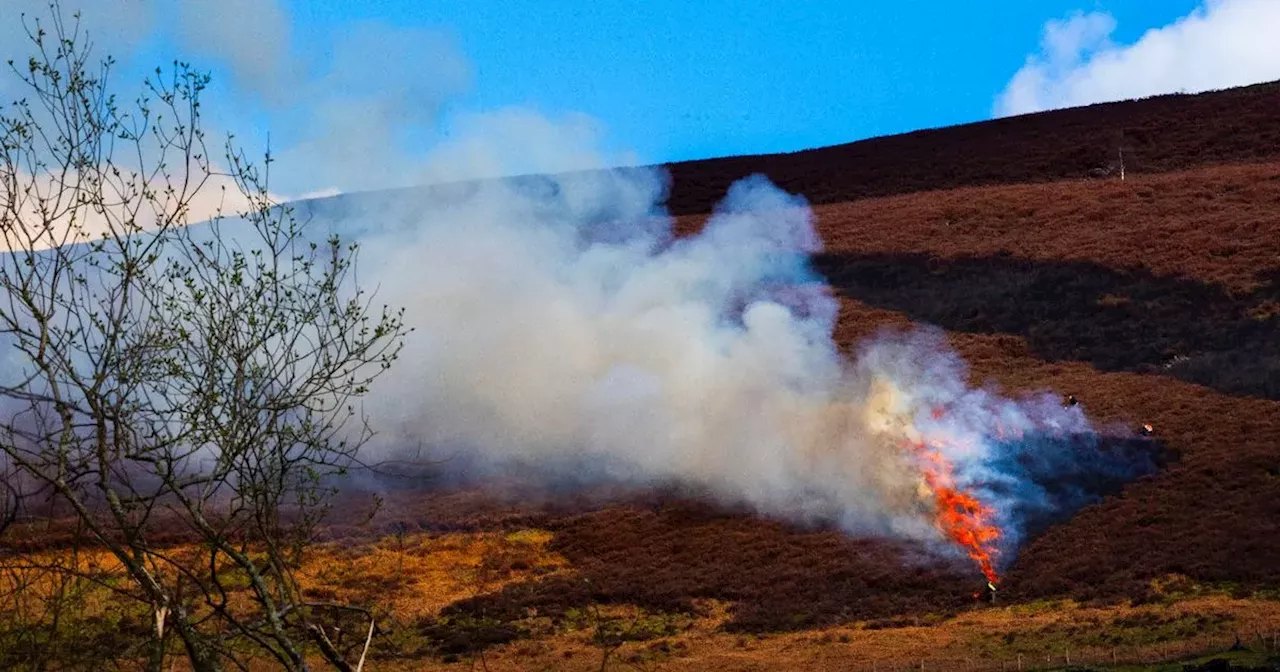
{"x":678,"y":80}
{"x":359,"y":95}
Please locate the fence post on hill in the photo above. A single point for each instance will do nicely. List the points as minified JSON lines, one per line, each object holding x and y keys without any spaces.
{"x":1122,"y":180}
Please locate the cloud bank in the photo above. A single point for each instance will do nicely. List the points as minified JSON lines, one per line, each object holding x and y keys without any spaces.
{"x":1221,"y":44}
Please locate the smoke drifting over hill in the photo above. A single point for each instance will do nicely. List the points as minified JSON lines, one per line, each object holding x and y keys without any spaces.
{"x":561,"y":328}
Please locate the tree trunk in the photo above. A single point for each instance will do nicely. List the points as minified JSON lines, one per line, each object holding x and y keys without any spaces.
{"x":202,"y":656}
{"x":155,"y":663}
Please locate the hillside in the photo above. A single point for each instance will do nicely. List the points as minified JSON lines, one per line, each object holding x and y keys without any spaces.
{"x":1161,"y":134}
{"x":1151,"y":299}
{"x":1121,"y":294}
{"x":1156,"y":298}
{"x":1158,"y":135}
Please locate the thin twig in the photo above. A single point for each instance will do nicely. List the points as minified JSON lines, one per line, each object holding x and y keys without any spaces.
{"x":367,"y":641}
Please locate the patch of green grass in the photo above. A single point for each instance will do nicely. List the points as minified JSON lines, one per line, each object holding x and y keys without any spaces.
{"x":1140,"y":629}
{"x":531,"y":537}
{"x":640,"y":626}
{"x":1175,"y":587}
{"x":1244,"y":659}
{"x":910,"y":621}
{"x":1040,"y":607}
{"x":78,"y":638}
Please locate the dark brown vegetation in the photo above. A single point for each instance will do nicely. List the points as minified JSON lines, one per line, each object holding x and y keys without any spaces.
{"x":1215,"y":224}
{"x":778,"y":578}
{"x":1160,"y":134}
{"x":1114,"y":319}
{"x":670,"y":556}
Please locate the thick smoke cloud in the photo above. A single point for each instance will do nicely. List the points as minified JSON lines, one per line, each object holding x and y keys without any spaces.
{"x":561,"y":329}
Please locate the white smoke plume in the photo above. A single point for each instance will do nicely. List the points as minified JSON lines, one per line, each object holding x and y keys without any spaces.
{"x":560,"y":326}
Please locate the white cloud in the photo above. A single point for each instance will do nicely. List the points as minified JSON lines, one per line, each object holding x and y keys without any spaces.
{"x":109,"y":23}
{"x":252,"y":37}
{"x":1221,"y":44}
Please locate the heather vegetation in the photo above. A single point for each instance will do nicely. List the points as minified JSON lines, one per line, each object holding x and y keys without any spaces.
{"x":1162,"y":134}
{"x":1155,"y":299}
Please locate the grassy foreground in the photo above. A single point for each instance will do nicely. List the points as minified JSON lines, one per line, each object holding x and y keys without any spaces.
{"x":429,"y":592}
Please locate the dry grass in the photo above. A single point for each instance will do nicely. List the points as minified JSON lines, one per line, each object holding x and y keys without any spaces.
{"x":1041,"y":634}
{"x":415,"y":576}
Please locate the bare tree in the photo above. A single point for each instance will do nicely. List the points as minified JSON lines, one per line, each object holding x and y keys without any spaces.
{"x":171,"y":381}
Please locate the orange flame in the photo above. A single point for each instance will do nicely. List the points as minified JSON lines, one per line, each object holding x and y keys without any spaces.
{"x":961,"y":516}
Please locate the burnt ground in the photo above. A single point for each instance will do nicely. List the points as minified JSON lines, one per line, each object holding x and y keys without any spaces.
{"x":1113,"y":319}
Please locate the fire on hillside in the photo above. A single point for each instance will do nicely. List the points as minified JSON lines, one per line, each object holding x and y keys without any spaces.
{"x":1026,"y":481}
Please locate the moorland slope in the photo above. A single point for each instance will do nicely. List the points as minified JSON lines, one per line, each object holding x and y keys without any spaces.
{"x":1155,"y":298}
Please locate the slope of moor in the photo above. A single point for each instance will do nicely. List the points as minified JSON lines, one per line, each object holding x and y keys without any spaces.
{"x":1154,"y":135}
{"x":1153,"y":299}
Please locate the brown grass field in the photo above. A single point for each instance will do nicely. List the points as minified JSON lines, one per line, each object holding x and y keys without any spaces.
{"x":1152,"y":299}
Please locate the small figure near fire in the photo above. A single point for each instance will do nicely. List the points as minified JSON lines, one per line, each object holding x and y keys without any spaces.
{"x":987,"y":593}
